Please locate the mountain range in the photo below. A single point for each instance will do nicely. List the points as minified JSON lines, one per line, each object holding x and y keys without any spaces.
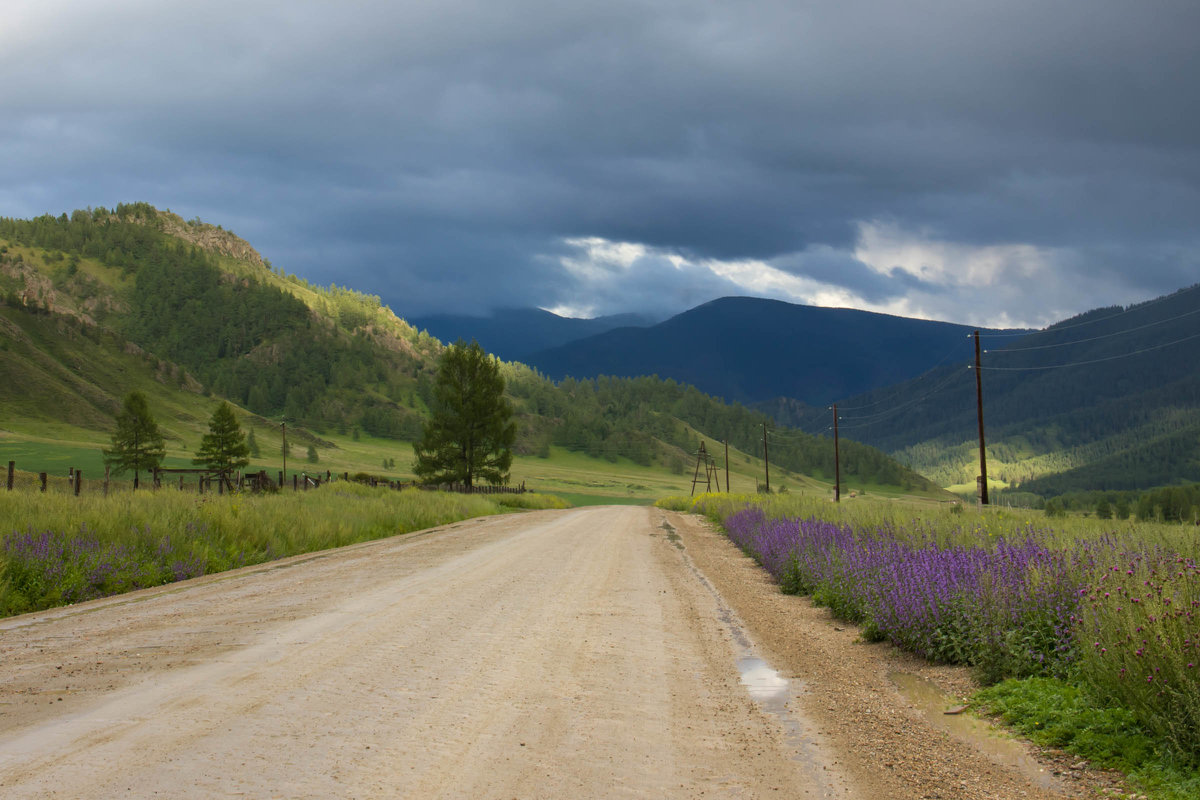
{"x":752,"y":350}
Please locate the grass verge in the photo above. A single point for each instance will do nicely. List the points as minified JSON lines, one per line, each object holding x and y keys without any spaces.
{"x":1055,"y":713}
{"x":56,"y":549}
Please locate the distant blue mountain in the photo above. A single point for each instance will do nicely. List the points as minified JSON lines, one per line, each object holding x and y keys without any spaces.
{"x":514,"y":334}
{"x":752,"y":350}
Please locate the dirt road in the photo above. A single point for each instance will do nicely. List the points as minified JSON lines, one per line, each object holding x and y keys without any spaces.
{"x":582,"y":653}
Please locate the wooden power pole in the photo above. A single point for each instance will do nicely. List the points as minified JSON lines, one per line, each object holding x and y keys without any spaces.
{"x":727,"y":489}
{"x":983,"y":483}
{"x":766,"y":459}
{"x":837,"y":460}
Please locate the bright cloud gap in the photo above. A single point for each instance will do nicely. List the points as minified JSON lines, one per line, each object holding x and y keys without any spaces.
{"x":888,"y":271}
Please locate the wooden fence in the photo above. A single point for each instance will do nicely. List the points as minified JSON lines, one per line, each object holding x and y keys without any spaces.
{"x":206,"y":481}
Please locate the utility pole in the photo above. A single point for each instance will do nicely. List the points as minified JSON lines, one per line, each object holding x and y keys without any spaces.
{"x":727,"y":489}
{"x":837,"y":460}
{"x":983,"y":484}
{"x":283,"y":427}
{"x":766,"y":459}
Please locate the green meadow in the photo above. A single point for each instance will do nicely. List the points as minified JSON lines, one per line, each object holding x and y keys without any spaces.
{"x":576,"y":477}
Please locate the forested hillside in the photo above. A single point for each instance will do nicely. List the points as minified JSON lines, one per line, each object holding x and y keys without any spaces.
{"x":750,"y":349}
{"x":92,"y":297}
{"x":1105,"y":400}
{"x":246,"y":334}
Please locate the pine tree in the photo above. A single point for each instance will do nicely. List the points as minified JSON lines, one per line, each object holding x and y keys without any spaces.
{"x":137,"y":443}
{"x":313,"y":458}
{"x":252,"y":443}
{"x":471,"y":432}
{"x":224,"y":446}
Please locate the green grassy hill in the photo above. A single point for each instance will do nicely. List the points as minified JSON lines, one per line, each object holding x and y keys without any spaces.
{"x":97,"y":303}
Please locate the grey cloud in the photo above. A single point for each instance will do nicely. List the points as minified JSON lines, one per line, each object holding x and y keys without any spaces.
{"x":438,"y":153}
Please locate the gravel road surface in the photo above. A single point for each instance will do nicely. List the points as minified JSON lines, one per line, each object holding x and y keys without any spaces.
{"x":585,"y":653}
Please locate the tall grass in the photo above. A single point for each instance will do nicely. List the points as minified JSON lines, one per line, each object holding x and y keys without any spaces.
{"x":57,"y":549}
{"x":1111,"y":607}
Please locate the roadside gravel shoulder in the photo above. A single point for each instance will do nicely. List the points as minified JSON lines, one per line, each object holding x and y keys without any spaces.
{"x":887,"y":746}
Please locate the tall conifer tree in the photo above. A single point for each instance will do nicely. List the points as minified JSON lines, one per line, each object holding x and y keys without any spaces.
{"x":471,"y":433}
{"x":137,"y":443}
{"x":224,"y":446}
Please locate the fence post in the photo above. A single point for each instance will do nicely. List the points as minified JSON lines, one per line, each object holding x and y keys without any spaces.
{"x":12,"y":465}
{"x":42,"y":476}
{"x":295,"y":481}
{"x":281,"y":480}
{"x":181,"y":483}
{"x":106,"y":468}
{"x":78,"y":482}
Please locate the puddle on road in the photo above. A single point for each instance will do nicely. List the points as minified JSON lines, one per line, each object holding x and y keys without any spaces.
{"x":933,"y":703}
{"x":763,"y":683}
{"x":772,"y":692}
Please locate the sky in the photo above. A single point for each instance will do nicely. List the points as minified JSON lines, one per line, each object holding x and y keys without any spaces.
{"x":993,"y":162}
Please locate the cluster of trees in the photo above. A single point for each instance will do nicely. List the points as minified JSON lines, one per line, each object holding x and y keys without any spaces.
{"x":1176,"y":503}
{"x":137,"y":442}
{"x":1171,"y":504}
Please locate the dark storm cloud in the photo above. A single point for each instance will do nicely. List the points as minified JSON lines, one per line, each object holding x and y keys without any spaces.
{"x":926,"y":157}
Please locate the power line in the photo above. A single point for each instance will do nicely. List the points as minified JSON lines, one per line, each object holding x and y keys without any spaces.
{"x":1095,"y":360}
{"x":1094,"y":338}
{"x":863,"y":419}
{"x":1130,"y":310}
{"x":921,"y":377}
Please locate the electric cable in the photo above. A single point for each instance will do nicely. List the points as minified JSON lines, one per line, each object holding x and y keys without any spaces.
{"x":1093,"y":360}
{"x":1094,"y":338}
{"x":862,"y":420}
{"x":911,"y":381}
{"x":1130,"y":310}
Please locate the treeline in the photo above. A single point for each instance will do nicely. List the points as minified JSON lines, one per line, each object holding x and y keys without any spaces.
{"x":611,"y":417}
{"x":111,"y":237}
{"x":1179,"y":504}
